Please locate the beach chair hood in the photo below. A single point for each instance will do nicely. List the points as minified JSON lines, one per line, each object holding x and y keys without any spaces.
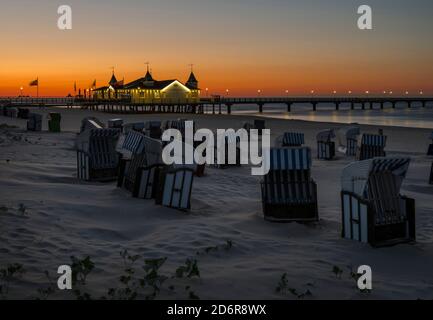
{"x":356,"y":175}
{"x":326,"y":135}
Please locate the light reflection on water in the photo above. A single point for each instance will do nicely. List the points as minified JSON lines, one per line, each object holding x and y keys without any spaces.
{"x":402,"y":116}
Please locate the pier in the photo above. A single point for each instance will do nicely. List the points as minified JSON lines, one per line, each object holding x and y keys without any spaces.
{"x":218,"y":105}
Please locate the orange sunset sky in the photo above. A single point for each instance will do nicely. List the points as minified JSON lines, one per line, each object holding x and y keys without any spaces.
{"x":240,"y":45}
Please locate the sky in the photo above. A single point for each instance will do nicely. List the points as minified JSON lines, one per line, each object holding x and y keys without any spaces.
{"x":240,"y":45}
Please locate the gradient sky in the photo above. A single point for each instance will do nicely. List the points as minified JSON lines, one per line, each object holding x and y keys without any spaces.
{"x":242,"y":45}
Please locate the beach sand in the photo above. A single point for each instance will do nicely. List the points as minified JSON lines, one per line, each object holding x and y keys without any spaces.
{"x":47,"y":215}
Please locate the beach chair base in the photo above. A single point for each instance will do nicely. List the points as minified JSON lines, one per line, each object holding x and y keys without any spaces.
{"x":358,"y":219}
{"x":325,"y":150}
{"x":85,"y":171}
{"x":175,"y":187}
{"x":430,"y":150}
{"x":369,"y":152}
{"x":200,"y":170}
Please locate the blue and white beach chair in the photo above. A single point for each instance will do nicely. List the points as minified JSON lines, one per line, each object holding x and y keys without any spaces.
{"x":288,"y":192}
{"x":373,"y":210}
{"x":325,"y":145}
{"x":97,"y":159}
{"x":372,"y":146}
{"x":348,"y":140}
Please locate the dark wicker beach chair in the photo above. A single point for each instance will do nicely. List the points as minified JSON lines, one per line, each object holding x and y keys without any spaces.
{"x":34,"y":123}
{"x":373,"y":211}
{"x":153,"y":129}
{"x":137,"y":127}
{"x":54,"y":120}
{"x":97,"y":159}
{"x":288,"y":192}
{"x":372,"y":146}
{"x":348,"y":140}
{"x":325,"y":145}
{"x":431,"y":175}
{"x":23,"y":113}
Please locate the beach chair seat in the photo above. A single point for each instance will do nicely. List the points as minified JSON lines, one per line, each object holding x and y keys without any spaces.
{"x":34,"y":123}
{"x":293,"y":139}
{"x":54,"y":120}
{"x":97,"y":159}
{"x":373,"y":211}
{"x":288,"y":192}
{"x":325,"y":145}
{"x":372,"y":146}
{"x":175,"y":186}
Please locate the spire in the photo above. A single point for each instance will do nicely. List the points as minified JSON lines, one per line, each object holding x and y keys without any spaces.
{"x":148,"y":77}
{"x":113,"y":78}
{"x":192,"y":82}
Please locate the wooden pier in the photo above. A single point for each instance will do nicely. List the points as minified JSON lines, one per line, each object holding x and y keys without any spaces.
{"x":219,"y":105}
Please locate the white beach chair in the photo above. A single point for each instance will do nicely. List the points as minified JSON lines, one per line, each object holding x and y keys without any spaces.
{"x":348,"y":140}
{"x":325,"y":145}
{"x":288,"y":192}
{"x":176,"y":188}
{"x":97,"y":159}
{"x":372,"y":146}
{"x":373,"y":211}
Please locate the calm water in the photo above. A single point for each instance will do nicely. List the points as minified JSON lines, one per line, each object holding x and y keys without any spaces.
{"x":416,"y":117}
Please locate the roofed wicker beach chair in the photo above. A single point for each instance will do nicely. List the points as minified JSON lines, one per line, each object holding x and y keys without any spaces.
{"x":230,"y":152}
{"x":288,"y":191}
{"x":348,"y":140}
{"x":372,"y":146}
{"x":34,"y":123}
{"x":23,"y":113}
{"x":430,"y":148}
{"x":97,"y":159}
{"x":54,"y":120}
{"x":373,"y":211}
{"x":325,"y":145}
{"x":175,"y":187}
{"x":259,"y":125}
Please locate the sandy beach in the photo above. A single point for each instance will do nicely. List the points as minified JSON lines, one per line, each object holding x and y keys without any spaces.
{"x":47,"y":216}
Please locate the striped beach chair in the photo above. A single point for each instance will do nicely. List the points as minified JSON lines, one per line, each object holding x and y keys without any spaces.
{"x":175,"y":187}
{"x":148,"y":153}
{"x":372,"y":146}
{"x":348,"y":140}
{"x":288,"y":192}
{"x":325,"y":145}
{"x":430,"y":148}
{"x":373,"y":211}
{"x":293,"y":139}
{"x":34,"y":123}
{"x":97,"y":159}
